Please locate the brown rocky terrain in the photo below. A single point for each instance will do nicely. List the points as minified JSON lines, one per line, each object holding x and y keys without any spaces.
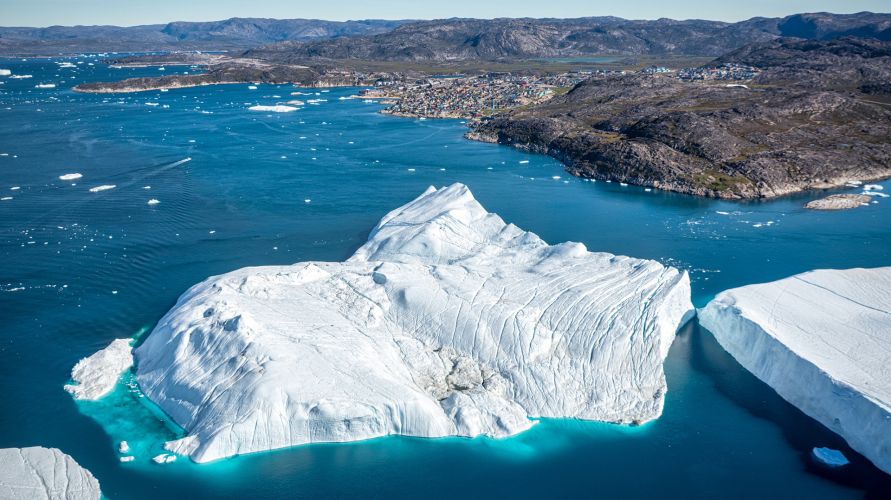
{"x":817,"y":116}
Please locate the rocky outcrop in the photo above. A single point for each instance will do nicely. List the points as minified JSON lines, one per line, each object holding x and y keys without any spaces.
{"x":796,"y":130}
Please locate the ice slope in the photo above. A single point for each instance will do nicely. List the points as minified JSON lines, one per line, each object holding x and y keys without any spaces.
{"x":44,"y":473}
{"x":97,"y":375}
{"x":822,"y":340}
{"x":446,"y":322}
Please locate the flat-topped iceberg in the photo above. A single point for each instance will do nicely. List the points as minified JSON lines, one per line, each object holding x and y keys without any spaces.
{"x":44,"y":473}
{"x":280,"y":108}
{"x":447,"y":322}
{"x":822,"y":340}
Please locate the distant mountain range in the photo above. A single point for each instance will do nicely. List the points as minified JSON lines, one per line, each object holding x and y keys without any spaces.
{"x":292,"y":40}
{"x":504,"y":39}
{"x":230,"y":34}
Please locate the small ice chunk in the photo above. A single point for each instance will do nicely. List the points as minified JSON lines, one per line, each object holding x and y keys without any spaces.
{"x":97,"y":375}
{"x":151,"y":104}
{"x":153,"y":201}
{"x":252,"y":87}
{"x":126,"y":459}
{"x":45,"y":86}
{"x":123,"y":447}
{"x":556,"y":177}
{"x":523,"y":162}
{"x":70,"y":177}
{"x":829,"y":457}
{"x":273,"y":109}
{"x":104,"y":187}
{"x":873,"y":187}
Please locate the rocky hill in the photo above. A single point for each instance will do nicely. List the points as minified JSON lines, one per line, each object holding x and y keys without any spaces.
{"x":818,"y":115}
{"x":229,"y":34}
{"x":499,"y":39}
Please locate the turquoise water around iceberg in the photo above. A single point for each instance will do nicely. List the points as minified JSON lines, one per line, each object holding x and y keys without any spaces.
{"x":78,"y":269}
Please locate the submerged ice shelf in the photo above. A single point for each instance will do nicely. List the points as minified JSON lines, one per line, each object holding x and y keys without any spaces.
{"x":44,"y":473}
{"x":822,"y":340}
{"x":447,"y":322}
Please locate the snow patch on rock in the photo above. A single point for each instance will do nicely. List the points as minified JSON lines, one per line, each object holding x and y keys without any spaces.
{"x":44,"y":473}
{"x":447,"y":322}
{"x":822,"y":340}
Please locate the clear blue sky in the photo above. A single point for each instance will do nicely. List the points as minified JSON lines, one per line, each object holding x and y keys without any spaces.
{"x":130,"y":12}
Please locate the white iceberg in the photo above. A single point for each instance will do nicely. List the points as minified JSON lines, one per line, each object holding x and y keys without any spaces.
{"x":5,"y":72}
{"x":97,"y":375}
{"x":44,"y":473}
{"x":70,"y":177}
{"x":822,"y":340}
{"x":447,"y":322}
{"x":45,"y":86}
{"x":104,"y":187}
{"x":273,"y":109}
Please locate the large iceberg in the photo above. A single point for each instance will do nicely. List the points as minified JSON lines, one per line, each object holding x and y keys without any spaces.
{"x":44,"y":474}
{"x":447,"y":322}
{"x":822,"y":340}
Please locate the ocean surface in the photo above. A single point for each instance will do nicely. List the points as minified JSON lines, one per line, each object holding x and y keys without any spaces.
{"x":242,"y":188}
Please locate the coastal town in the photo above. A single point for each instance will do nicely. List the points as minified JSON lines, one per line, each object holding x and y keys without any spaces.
{"x":475,"y":97}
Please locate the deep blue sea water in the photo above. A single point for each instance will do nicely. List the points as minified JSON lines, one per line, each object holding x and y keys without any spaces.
{"x":78,"y":269}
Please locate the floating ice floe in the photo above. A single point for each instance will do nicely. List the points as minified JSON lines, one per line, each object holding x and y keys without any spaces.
{"x":5,"y":72}
{"x":70,"y":177}
{"x":523,"y":162}
{"x":821,"y":340}
{"x":45,"y":473}
{"x":829,"y":457}
{"x":6,"y":198}
{"x":448,"y":321}
{"x":127,"y":459}
{"x":164,"y":458}
{"x":97,"y":375}
{"x":274,"y":109}
{"x":123,"y":447}
{"x":252,"y":87}
{"x":153,"y":201}
{"x":20,"y":77}
{"x":151,"y":104}
{"x":45,"y":86}
{"x":104,"y":187}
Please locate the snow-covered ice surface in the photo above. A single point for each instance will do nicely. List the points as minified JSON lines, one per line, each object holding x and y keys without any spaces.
{"x":447,"y":322}
{"x":44,"y":473}
{"x":822,"y":340}
{"x":97,"y":375}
